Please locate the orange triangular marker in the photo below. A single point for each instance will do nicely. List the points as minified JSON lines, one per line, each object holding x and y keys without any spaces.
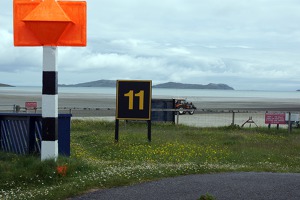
{"x":48,"y":10}
{"x":47,"y":21}
{"x":47,"y":32}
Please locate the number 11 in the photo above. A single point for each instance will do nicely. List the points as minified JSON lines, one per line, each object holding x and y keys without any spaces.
{"x":131,"y":95}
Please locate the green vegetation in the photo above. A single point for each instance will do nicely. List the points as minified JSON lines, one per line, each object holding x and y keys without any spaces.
{"x":98,"y":162}
{"x":207,"y":197}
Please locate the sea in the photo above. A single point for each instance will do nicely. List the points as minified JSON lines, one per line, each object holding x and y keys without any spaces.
{"x":159,"y":92}
{"x":105,"y":97}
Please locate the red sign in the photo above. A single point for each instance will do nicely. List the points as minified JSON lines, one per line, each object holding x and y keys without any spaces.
{"x":275,"y":118}
{"x":30,"y":105}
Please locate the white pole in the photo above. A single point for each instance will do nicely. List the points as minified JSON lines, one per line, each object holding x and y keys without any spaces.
{"x":49,"y":149}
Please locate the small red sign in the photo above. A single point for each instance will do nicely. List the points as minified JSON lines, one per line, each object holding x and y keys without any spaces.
{"x":30,"y":105}
{"x":275,"y":118}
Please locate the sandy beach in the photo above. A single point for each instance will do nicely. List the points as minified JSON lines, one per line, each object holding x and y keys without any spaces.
{"x":211,"y":111}
{"x":203,"y":103}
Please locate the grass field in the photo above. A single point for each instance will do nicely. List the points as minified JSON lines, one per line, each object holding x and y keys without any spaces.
{"x":98,"y":162}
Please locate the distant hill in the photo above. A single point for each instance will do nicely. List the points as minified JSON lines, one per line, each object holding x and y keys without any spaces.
{"x":99,"y":83}
{"x":5,"y":85}
{"x":111,"y":83}
{"x":193,"y":86}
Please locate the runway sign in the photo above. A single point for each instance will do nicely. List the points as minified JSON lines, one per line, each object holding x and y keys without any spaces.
{"x":134,"y":100}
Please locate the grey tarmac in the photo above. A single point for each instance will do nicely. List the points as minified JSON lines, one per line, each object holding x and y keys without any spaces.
{"x":223,"y":186}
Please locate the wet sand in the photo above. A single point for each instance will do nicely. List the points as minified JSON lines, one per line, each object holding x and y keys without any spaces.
{"x":102,"y":107}
{"x":109,"y":101}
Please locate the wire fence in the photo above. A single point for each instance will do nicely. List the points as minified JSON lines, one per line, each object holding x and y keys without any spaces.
{"x":203,"y":118}
{"x":216,"y":119}
{"x":8,"y":108}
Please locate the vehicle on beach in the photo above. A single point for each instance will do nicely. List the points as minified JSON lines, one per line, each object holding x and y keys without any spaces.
{"x":182,"y":104}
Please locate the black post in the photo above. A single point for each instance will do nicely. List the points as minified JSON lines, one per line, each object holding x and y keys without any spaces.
{"x":149,"y":130}
{"x":1,"y":133}
{"x":117,"y":131}
{"x":31,"y":134}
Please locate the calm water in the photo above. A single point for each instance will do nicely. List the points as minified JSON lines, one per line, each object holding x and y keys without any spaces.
{"x":160,"y":92}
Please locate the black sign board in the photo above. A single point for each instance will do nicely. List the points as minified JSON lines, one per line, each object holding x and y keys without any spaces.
{"x":134,"y":100}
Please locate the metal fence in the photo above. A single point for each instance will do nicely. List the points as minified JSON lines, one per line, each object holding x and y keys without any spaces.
{"x":8,"y":108}
{"x":225,"y":118}
{"x":201,"y":118}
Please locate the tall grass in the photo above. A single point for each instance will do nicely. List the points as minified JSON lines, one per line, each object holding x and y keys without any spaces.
{"x":98,"y":162}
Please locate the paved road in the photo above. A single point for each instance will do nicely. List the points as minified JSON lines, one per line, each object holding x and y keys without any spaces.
{"x":244,"y":185}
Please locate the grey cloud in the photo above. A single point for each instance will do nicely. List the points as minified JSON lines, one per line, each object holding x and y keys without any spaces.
{"x":192,"y":41}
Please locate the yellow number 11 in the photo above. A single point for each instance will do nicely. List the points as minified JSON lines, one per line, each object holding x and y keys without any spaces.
{"x":131,"y":95}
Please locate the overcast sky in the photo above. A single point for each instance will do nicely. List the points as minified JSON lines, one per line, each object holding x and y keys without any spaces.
{"x":247,"y":44}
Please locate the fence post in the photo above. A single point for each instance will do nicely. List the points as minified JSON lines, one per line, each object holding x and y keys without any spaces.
{"x":177,"y":117}
{"x":233,"y":116}
{"x":290,"y":124}
{"x":18,"y":108}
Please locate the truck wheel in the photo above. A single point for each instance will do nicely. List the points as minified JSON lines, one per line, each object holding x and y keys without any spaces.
{"x":191,"y":112}
{"x":180,"y":111}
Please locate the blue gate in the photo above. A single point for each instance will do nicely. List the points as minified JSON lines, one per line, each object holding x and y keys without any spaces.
{"x":22,"y":133}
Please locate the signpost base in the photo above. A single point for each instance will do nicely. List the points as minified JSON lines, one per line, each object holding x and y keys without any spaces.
{"x":149,"y":130}
{"x":117,"y":130}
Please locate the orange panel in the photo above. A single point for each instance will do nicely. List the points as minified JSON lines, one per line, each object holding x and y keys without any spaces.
{"x":75,"y":34}
{"x":22,"y":35}
{"x":49,"y":23}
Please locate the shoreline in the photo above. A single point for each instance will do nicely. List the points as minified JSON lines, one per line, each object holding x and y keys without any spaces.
{"x":109,"y":101}
{"x":211,"y":110}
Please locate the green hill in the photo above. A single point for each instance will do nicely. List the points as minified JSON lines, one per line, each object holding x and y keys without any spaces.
{"x":193,"y":86}
{"x":5,"y":85}
{"x":112,"y":83}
